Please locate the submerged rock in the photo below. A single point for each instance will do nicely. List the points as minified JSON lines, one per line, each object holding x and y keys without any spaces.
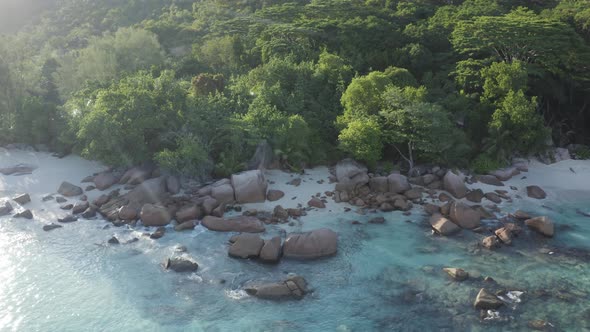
{"x":22,"y":199}
{"x":113,"y":240}
{"x":456,"y":273}
{"x":490,"y":242}
{"x":180,"y":265}
{"x":68,"y":219}
{"x":246,"y":246}
{"x":243,"y":224}
{"x":535,"y":192}
{"x":51,"y":227}
{"x":27,"y":214}
{"x":310,"y":245}
{"x":294,"y":287}
{"x":159,"y":233}
{"x":542,"y":225}
{"x":67,"y":189}
{"x":18,"y":169}
{"x":5,"y":208}
{"x":486,"y":300}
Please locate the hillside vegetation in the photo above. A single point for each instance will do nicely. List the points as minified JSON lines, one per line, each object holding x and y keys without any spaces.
{"x":196,"y":86}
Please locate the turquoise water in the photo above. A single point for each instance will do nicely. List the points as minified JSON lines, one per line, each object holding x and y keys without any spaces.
{"x":384,"y":277}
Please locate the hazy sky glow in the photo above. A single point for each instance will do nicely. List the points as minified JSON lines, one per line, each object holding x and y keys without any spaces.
{"x":15,"y":13}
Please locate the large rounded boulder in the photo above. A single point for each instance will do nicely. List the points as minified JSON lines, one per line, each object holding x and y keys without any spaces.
{"x":455,"y":185}
{"x":105,"y":180}
{"x":154,"y":215}
{"x":464,"y":216}
{"x":541,"y":225}
{"x":398,"y":183}
{"x":310,"y":245}
{"x":67,"y":189}
{"x":223,"y":191}
{"x":249,"y":186}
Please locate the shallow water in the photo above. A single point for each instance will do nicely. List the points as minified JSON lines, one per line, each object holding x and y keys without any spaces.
{"x":384,"y":277}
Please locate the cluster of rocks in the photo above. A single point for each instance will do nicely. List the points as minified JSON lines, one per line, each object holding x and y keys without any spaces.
{"x":304,"y":246}
{"x":154,"y":199}
{"x":294,"y":287}
{"x":22,"y":199}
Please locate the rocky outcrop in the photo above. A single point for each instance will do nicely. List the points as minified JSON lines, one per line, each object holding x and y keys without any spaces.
{"x":80,"y":207}
{"x":271,"y":250}
{"x":180,"y":265}
{"x":541,"y":225}
{"x":136,"y":175}
{"x":104,"y":181}
{"x":67,"y":189}
{"x":456,"y":273}
{"x":379,"y":184}
{"x":350,"y":175}
{"x":19,"y":169}
{"x":5,"y":208}
{"x":22,"y":199}
{"x":505,"y":174}
{"x":490,"y":180}
{"x":294,"y":287}
{"x":442,"y":225}
{"x":152,"y":191}
{"x":310,"y":245}
{"x":246,"y":246}
{"x":398,"y":183}
{"x":249,"y":186}
{"x":464,"y":216}
{"x":262,"y":158}
{"x":486,"y":300}
{"x":535,"y":192}
{"x":455,"y":185}
{"x":242,"y":224}
{"x":154,"y":215}
{"x":26,"y":214}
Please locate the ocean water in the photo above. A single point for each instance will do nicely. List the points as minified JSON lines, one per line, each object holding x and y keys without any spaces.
{"x":384,"y":278}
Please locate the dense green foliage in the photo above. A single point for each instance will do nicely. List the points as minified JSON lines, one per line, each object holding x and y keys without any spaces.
{"x":196,"y":85}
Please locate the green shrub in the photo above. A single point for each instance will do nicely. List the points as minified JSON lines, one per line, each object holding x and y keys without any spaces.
{"x":483,"y":164}
{"x":582,"y":152}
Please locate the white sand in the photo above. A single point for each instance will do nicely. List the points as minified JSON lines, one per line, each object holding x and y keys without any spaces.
{"x":46,"y":179}
{"x":554,"y":179}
